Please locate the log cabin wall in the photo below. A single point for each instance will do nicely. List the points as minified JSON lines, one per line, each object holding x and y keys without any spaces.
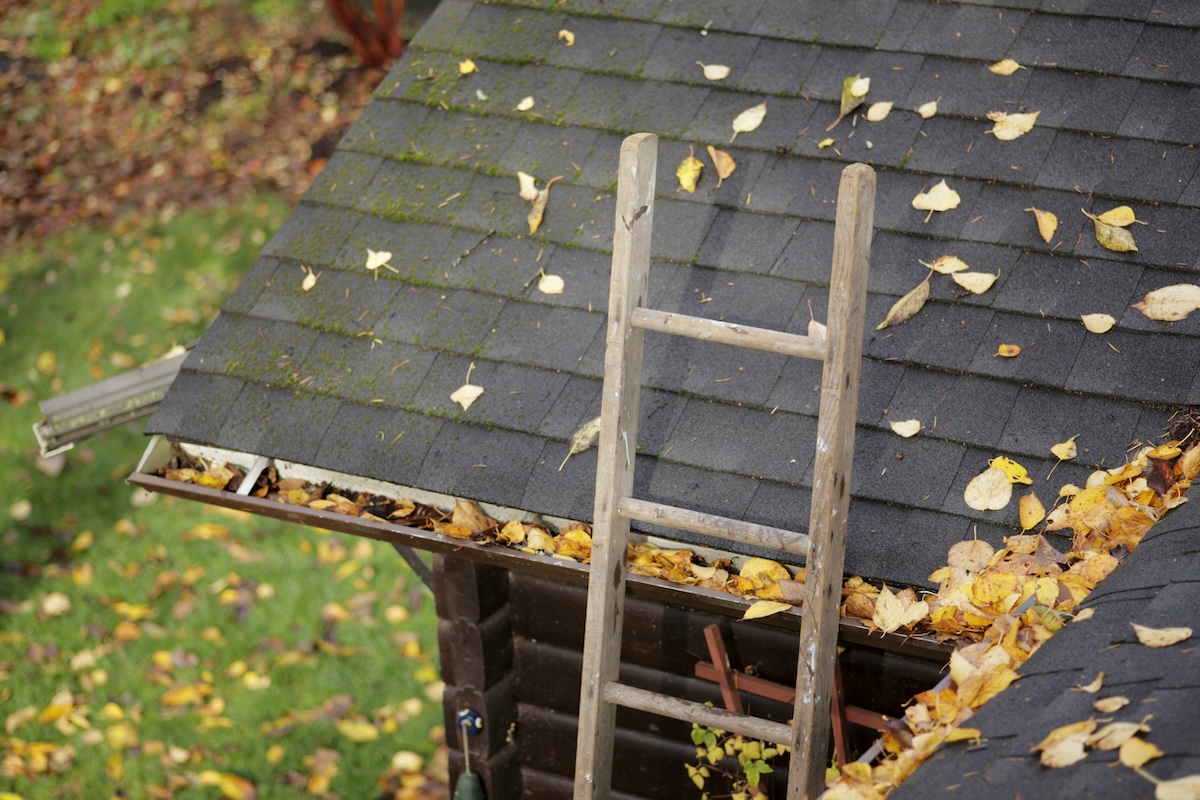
{"x":511,"y":648}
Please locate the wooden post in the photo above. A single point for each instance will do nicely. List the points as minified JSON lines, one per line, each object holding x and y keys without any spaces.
{"x":475,"y":643}
{"x":614,"y":469}
{"x":831,"y":478}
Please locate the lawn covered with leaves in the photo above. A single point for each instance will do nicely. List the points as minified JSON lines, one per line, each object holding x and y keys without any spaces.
{"x":155,"y":648}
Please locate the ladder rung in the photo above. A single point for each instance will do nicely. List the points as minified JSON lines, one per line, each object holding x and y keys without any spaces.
{"x":689,"y":711}
{"x":789,"y":344}
{"x":734,"y":530}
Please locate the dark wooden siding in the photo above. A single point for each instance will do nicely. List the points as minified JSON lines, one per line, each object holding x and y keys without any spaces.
{"x":511,"y":648}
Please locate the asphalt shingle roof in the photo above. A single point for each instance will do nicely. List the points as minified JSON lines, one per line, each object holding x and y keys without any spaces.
{"x":429,"y":173}
{"x":331,"y":377}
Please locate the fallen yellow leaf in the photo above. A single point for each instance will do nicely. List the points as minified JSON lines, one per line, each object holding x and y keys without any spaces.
{"x":1008,"y":350}
{"x":1107,"y":705}
{"x":940,"y":198}
{"x":1067,"y":450}
{"x":1098,"y":323}
{"x":1160,"y":637}
{"x":1011,"y":126}
{"x":975,"y":282}
{"x":749,"y":119}
{"x":466,"y":67}
{"x":689,"y":172}
{"x":1170,"y":303}
{"x":723,"y":162}
{"x":526,"y":103}
{"x":1047,"y":223}
{"x":906,"y":428}
{"x":566,"y":36}
{"x":357,"y":730}
{"x":927,"y":110}
{"x":1136,"y":752}
{"x":715,"y":72}
{"x":907,"y":306}
{"x":765,"y":608}
{"x":990,"y":490}
{"x":878,"y":112}
{"x":1031,"y":511}
{"x":1015,"y":472}
{"x":1004,"y":67}
{"x":947,"y":265}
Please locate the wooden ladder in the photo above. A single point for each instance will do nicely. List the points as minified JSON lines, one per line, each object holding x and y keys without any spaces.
{"x":823,"y":548}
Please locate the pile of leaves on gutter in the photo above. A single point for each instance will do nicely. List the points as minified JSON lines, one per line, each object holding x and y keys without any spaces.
{"x":997,"y":606}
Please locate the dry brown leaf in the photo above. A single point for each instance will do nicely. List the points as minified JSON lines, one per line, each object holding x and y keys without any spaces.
{"x":906,"y":428}
{"x":878,"y":112}
{"x":940,"y":198}
{"x":1098,"y":323}
{"x":1004,"y":67}
{"x":1047,"y":223}
{"x":583,"y":438}
{"x":1136,"y":752}
{"x":723,"y":162}
{"x":689,"y":172}
{"x":765,"y":608}
{"x":749,"y":119}
{"x":1170,"y":303}
{"x":1011,"y":126}
{"x":975,"y":282}
{"x":990,"y":490}
{"x":947,"y":265}
{"x":1161,"y":637}
{"x":907,"y":306}
{"x":715,"y":72}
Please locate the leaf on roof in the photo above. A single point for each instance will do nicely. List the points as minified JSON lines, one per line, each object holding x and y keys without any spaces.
{"x":1161,"y":637}
{"x":1107,"y":705}
{"x":975,"y":282}
{"x":927,"y":110}
{"x":1098,"y":323}
{"x":1111,"y":230}
{"x":854,"y":94}
{"x":310,"y":280}
{"x":715,"y":72}
{"x":817,"y":330}
{"x":947,"y":265}
{"x":828,"y":141}
{"x":1011,"y":126}
{"x":1136,"y":752}
{"x":1004,"y":67}
{"x":723,"y":162}
{"x":539,"y":205}
{"x":895,"y":611}
{"x":528,"y":189}
{"x":1170,"y":303}
{"x":551,"y":284}
{"x":1015,"y":472}
{"x":379,"y":258}
{"x":1064,"y":746}
{"x":468,"y":393}
{"x":566,"y":36}
{"x":906,"y":428}
{"x":689,"y":171}
{"x":1047,"y":223}
{"x":1115,"y":734}
{"x":526,"y":103}
{"x":939,"y":198}
{"x":878,"y":112}
{"x":1067,"y":450}
{"x":990,"y":490}
{"x":1185,"y":788}
{"x":765,"y":608}
{"x":1031,"y":511}
{"x":466,"y":67}
{"x":584,"y":437}
{"x":907,"y":306}
{"x":749,"y":119}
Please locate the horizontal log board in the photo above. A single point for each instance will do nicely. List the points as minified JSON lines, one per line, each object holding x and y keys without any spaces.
{"x":647,"y":766}
{"x":709,"y":600}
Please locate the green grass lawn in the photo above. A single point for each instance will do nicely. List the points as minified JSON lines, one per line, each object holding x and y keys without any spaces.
{"x":166,"y":649}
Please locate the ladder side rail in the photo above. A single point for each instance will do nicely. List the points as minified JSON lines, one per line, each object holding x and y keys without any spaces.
{"x":734,"y":530}
{"x":615,"y":464}
{"x":831,"y":479}
{"x":714,"y":330}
